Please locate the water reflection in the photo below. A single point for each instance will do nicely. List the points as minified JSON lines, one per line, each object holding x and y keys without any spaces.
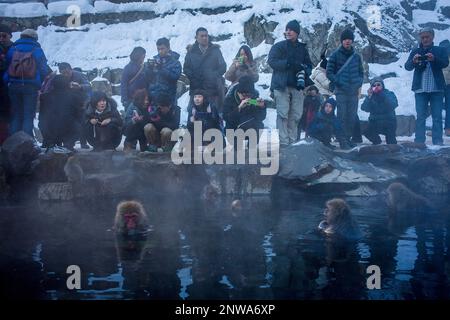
{"x":199,"y":251}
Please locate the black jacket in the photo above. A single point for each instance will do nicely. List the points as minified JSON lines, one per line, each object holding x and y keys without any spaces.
{"x":109,"y":112}
{"x":170,"y":120}
{"x":205,"y":71}
{"x":234,"y":118}
{"x":286,"y":60}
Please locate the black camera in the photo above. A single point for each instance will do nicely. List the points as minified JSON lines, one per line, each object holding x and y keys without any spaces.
{"x":423,"y":58}
{"x":301,"y":79}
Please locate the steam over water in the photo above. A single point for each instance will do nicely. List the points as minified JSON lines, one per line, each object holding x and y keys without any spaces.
{"x":198,"y":250}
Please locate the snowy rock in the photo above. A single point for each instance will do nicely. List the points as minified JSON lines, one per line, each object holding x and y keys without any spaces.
{"x":20,"y":151}
{"x":257,"y":30}
{"x":103,"y":85}
{"x":314,"y":167}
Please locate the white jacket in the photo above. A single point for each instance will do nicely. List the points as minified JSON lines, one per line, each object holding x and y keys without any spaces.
{"x":319,"y":77}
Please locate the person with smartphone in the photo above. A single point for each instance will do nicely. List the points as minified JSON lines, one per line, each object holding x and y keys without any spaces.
{"x":243,"y":65}
{"x":243,"y":109}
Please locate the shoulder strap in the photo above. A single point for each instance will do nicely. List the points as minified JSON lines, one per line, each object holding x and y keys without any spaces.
{"x":136,"y":75}
{"x":346,"y":64}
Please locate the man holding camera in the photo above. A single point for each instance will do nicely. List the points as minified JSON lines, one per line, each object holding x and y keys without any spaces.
{"x":427,"y":61}
{"x":291,"y":66}
{"x":346,"y":74}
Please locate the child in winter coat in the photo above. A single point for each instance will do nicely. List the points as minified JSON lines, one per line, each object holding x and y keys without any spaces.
{"x":311,"y":106}
{"x":326,"y":125}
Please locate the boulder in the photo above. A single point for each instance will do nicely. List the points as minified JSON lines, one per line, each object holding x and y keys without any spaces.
{"x":313,"y":167}
{"x":103,"y":85}
{"x":20,"y":150}
{"x":257,"y":29}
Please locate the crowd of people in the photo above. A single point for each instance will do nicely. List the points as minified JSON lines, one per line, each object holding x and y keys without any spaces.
{"x":321,"y":101}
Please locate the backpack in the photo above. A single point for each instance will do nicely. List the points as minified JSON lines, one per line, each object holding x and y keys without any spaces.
{"x":23,"y":65}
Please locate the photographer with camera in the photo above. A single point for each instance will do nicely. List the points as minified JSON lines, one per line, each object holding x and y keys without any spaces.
{"x":242,"y":108}
{"x":346,"y":73}
{"x":291,"y":66}
{"x":164,"y":70}
{"x":427,"y":61}
{"x":243,"y":65}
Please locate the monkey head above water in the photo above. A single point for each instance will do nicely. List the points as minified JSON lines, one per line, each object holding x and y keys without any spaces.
{"x":339,"y":221}
{"x":130,"y":219}
{"x":401,"y":198}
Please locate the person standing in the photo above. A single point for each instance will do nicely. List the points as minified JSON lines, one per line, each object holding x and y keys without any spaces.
{"x":26,"y":70}
{"x":427,"y":61}
{"x":446,"y":44}
{"x":204,"y":66}
{"x":5,"y":44}
{"x":133,"y":77}
{"x":346,"y":74}
{"x":291,"y":66}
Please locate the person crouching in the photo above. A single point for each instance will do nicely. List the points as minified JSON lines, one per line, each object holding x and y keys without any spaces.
{"x":381,"y":104}
{"x":103,"y":123}
{"x":136,"y":118}
{"x":164,"y":119}
{"x":325,"y":125}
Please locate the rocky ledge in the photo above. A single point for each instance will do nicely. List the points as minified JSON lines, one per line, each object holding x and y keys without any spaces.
{"x":307,"y":166}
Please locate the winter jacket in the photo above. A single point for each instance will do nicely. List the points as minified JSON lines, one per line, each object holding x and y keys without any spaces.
{"x":42,"y":70}
{"x":210,"y":120}
{"x":132,"y":111}
{"x":82,"y":80}
{"x":381,"y":106}
{"x":439,"y":63}
{"x":234,"y":73}
{"x":205,"y":71}
{"x":319,"y":77}
{"x":311,"y":106}
{"x":235,"y":118}
{"x":109,"y":112}
{"x":127,"y":88}
{"x":446,"y":72}
{"x":326,"y":125}
{"x":61,"y":111}
{"x":170,"y":120}
{"x":349,"y":80}
{"x":164,"y":75}
{"x":287,"y":59}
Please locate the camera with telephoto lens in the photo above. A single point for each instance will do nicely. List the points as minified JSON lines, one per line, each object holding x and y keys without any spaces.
{"x":300,"y":79}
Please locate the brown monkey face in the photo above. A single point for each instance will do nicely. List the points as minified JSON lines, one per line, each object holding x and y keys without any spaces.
{"x":131,"y":220}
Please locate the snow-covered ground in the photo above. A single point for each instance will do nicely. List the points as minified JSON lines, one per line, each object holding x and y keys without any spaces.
{"x":108,"y":46}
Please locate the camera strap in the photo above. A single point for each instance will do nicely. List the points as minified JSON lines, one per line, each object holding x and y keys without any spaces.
{"x":136,"y":75}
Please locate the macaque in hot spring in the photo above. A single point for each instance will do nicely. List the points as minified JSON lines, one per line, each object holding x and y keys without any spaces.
{"x":401,"y":198}
{"x":130,"y":219}
{"x":339,"y":221}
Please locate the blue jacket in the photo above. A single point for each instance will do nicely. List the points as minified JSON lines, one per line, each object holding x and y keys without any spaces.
{"x":381,"y":106}
{"x":42,"y":70}
{"x":440,"y":62}
{"x":164,"y":76}
{"x":326,"y":125}
{"x":127,"y":89}
{"x":351,"y":78}
{"x":234,"y":118}
{"x":286,"y":60}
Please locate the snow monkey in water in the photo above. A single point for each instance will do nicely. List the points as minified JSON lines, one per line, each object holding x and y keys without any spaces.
{"x":130,"y":219}
{"x":73,"y":170}
{"x":401,"y":198}
{"x":339,"y":221}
